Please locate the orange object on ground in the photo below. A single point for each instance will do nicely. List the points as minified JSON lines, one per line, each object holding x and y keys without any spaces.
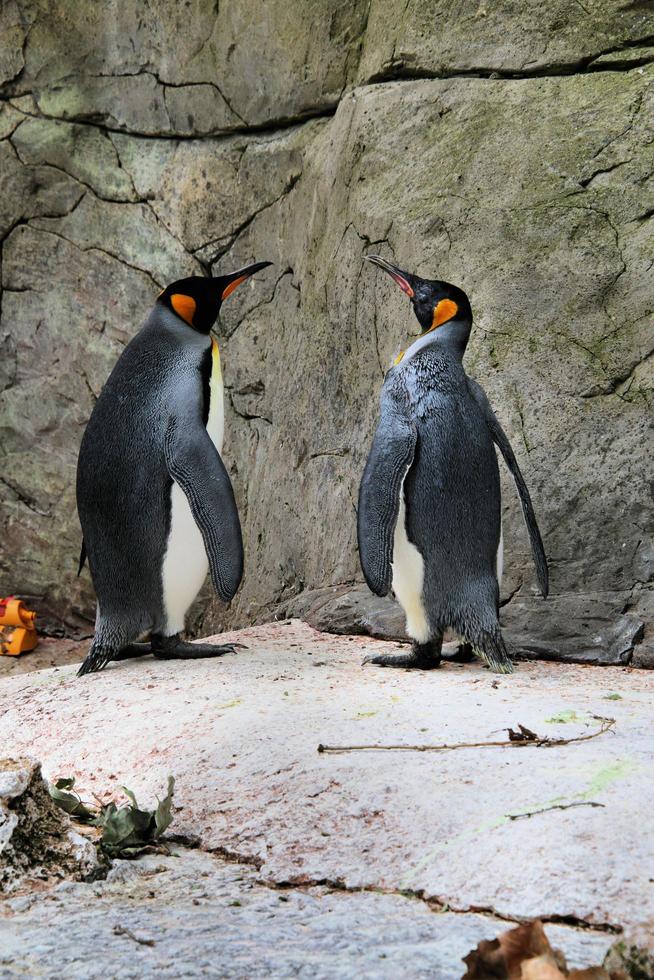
{"x":23,"y":637}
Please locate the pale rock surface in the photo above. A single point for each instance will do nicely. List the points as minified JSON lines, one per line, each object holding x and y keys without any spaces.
{"x":196,"y":915}
{"x":241,"y":737}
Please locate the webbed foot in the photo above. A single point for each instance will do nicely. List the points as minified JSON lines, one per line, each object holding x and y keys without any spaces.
{"x":102,"y":653}
{"x":462,"y":653}
{"x":173,"y":648}
{"x":423,"y":656}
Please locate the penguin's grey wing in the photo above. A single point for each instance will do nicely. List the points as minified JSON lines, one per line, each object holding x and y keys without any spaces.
{"x":195,"y":464}
{"x":501,"y":441}
{"x":389,"y":461}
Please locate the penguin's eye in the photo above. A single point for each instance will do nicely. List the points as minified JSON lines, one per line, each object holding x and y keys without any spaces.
{"x":184,"y":306}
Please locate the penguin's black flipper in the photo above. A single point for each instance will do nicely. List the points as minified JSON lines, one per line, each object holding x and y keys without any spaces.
{"x":195,"y":464}
{"x":501,"y":441}
{"x":389,"y":461}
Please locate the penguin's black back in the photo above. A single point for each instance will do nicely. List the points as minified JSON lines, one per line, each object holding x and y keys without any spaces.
{"x":123,"y":483}
{"x":452,"y":489}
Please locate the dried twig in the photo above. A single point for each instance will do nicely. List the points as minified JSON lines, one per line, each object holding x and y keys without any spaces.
{"x":124,"y":931}
{"x":520,"y":739}
{"x":557,"y":806}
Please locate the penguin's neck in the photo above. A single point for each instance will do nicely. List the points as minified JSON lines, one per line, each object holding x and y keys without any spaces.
{"x":452,"y":338}
{"x":216,"y":416}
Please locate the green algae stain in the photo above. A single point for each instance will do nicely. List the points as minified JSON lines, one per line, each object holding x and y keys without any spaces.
{"x":564,"y":717}
{"x":612,"y":697}
{"x":605,"y":776}
{"x":601,"y":780}
{"x":230,"y":704}
{"x":466,"y":835}
{"x":365,"y":714}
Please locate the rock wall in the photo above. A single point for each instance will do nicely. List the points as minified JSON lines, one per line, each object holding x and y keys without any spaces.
{"x":503,"y":146}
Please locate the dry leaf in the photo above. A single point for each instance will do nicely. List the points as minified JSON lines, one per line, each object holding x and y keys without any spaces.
{"x":503,"y":957}
{"x":486,"y":961}
{"x":591,"y":973}
{"x":541,"y":968}
{"x":524,"y":953}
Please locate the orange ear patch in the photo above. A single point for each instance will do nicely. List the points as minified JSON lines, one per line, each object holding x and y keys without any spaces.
{"x":228,"y":290}
{"x":444,"y":311}
{"x":184,"y":306}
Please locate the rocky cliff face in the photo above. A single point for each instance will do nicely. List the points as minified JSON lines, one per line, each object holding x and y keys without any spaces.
{"x":500,"y":146}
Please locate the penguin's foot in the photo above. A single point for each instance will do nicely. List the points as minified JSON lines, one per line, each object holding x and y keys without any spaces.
{"x":133,"y":650}
{"x":423,"y":656}
{"x":463,"y":653}
{"x":173,"y":648}
{"x":99,"y":656}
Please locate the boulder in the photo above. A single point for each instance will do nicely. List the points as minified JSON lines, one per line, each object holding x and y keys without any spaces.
{"x":38,"y":844}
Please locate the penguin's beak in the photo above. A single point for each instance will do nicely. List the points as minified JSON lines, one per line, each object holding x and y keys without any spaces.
{"x":229,"y":282}
{"x":403,"y":279}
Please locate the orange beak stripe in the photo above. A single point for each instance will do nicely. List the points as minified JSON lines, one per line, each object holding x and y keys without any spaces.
{"x":228,"y":290}
{"x":184,"y":306}
{"x":444,"y":311}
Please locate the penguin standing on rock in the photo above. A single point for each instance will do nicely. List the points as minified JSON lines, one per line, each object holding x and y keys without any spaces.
{"x":429,"y":518}
{"x":154,"y":498}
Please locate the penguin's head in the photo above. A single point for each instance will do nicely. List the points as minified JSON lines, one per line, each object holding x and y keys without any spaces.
{"x":197,"y":299}
{"x":435,"y":303}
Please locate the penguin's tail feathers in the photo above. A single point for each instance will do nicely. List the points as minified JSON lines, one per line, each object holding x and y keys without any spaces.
{"x":491,"y":648}
{"x":98,"y":657}
{"x":110,"y":638}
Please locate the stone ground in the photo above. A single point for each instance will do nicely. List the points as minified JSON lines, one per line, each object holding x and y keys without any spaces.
{"x":50,"y":652}
{"x":197,"y":915}
{"x":339,"y":865}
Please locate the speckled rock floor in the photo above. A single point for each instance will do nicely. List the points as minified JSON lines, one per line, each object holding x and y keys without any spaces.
{"x":328,"y":845}
{"x":197,"y":915}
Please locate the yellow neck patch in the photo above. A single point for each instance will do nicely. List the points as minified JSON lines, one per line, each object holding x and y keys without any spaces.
{"x":215,"y":360}
{"x":184,"y":306}
{"x":444,"y":311}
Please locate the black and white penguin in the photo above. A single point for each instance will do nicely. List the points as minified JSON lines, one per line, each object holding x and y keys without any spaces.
{"x":429,"y":517}
{"x":154,"y":498}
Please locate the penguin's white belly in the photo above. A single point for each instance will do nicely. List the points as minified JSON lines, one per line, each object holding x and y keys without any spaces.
{"x":185,"y":563}
{"x":408,"y":578}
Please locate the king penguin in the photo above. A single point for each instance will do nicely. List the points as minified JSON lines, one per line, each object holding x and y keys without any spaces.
{"x":154,"y":499}
{"x":429,"y":515}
